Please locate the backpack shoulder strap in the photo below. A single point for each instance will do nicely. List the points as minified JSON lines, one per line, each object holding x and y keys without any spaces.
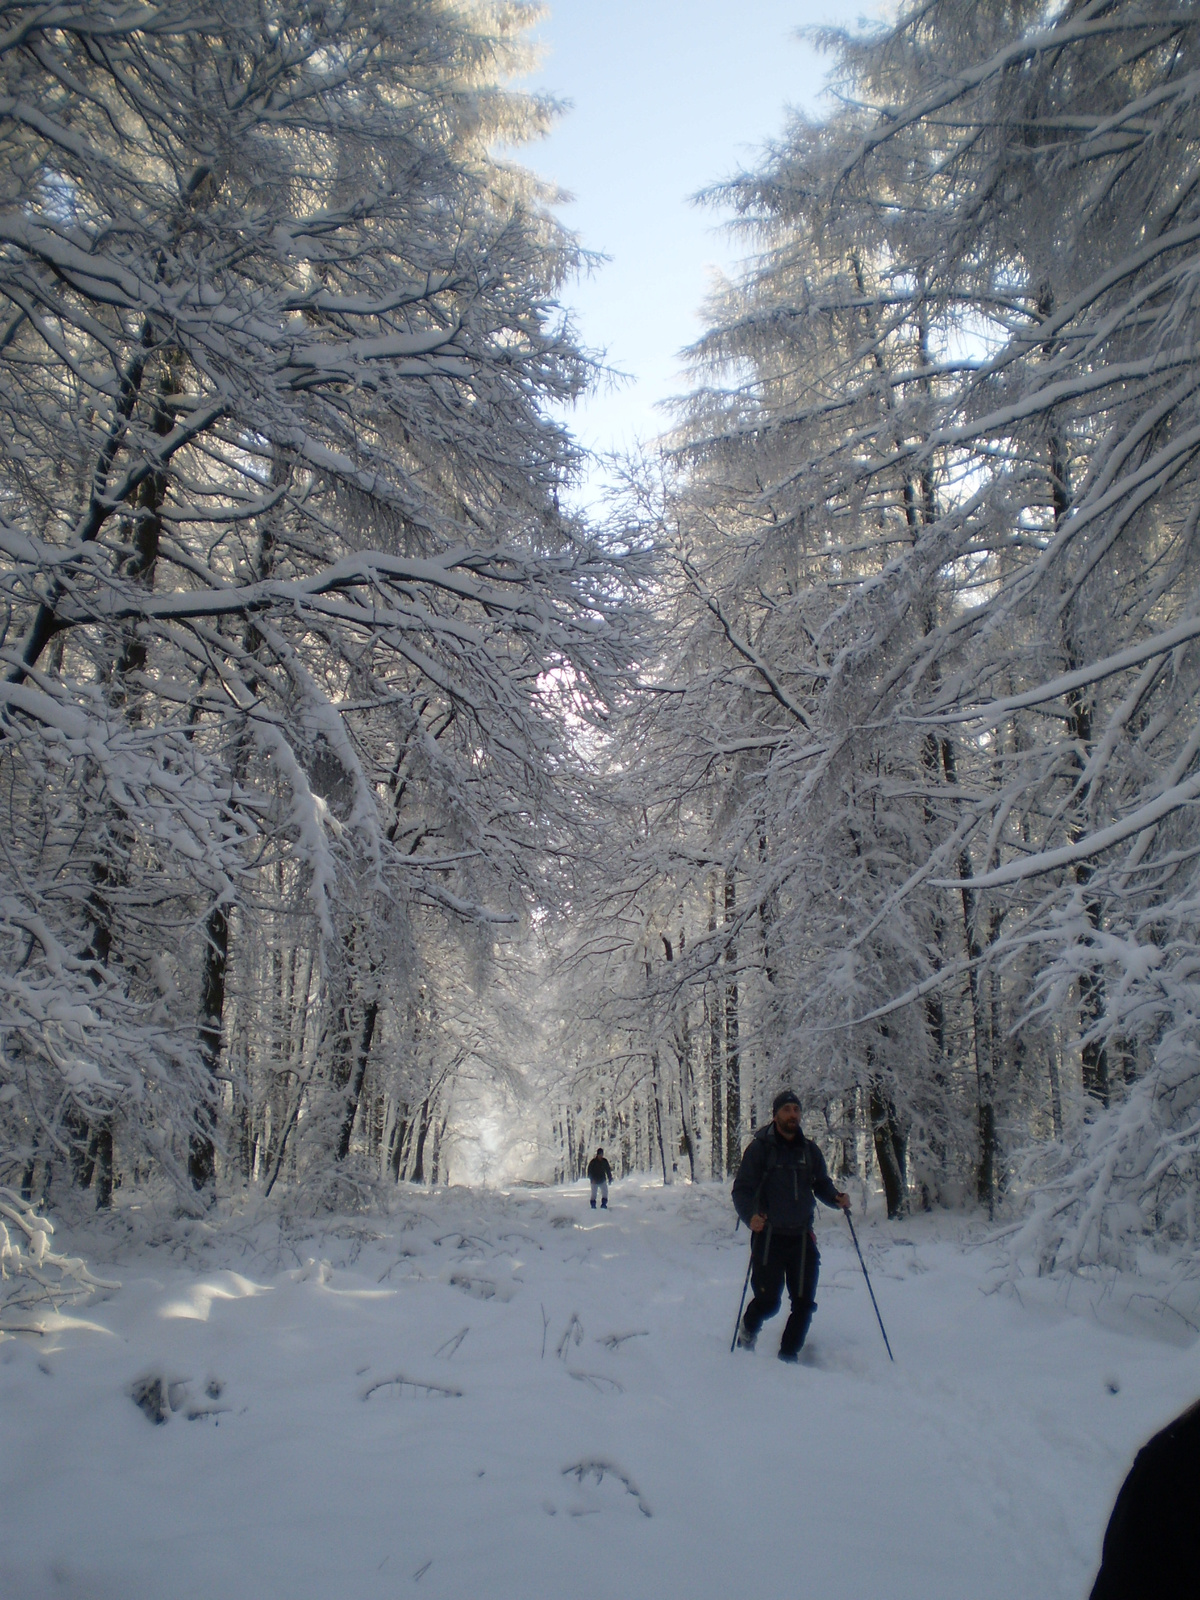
{"x":772,"y":1163}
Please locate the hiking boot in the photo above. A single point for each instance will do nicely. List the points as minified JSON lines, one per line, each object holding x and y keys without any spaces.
{"x":745,"y":1339}
{"x":792,"y":1357}
{"x":592,"y":1203}
{"x":604,"y":1205}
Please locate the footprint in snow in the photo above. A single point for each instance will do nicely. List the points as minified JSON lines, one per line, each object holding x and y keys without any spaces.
{"x":158,"y":1398}
{"x":834,"y":1358}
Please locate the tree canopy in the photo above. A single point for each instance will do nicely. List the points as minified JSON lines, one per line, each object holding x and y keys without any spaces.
{"x":857,"y":749}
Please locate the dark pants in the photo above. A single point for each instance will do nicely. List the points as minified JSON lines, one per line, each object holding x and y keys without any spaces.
{"x":777,"y":1260}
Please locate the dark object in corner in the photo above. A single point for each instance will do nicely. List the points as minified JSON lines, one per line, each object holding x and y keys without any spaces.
{"x":1152,"y":1543}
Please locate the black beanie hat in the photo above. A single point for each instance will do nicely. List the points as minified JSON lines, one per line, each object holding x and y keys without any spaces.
{"x":785,"y":1097}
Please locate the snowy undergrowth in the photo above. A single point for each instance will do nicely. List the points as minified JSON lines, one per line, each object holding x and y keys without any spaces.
{"x":1116,"y":1205}
{"x":35,"y":1279}
{"x":508,"y":1394}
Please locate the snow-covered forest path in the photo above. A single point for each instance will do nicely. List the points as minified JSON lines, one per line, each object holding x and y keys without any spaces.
{"x":507,"y":1395}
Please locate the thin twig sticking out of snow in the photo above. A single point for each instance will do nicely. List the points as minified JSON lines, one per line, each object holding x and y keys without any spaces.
{"x":412,"y":1386}
{"x":451,"y":1345}
{"x":597,"y":1469}
{"x":574,"y":1332}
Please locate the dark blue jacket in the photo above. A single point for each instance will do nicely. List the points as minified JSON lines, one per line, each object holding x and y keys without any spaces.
{"x":1152,"y":1547}
{"x":780,"y":1177}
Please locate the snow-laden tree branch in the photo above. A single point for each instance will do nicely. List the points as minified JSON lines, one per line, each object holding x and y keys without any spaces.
{"x":34,"y":1277}
{"x":295,"y":635}
{"x":921,"y":794}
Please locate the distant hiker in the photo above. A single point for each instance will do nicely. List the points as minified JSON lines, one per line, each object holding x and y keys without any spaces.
{"x":600,"y":1173}
{"x":1152,"y":1543}
{"x":773,"y":1192}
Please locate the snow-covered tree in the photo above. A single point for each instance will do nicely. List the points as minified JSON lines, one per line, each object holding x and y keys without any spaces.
{"x":931,"y":701}
{"x":293,"y":625}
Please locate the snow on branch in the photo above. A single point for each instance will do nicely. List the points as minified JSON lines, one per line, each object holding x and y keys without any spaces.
{"x":298,"y":642}
{"x":34,"y":1277}
{"x":1085,"y":849}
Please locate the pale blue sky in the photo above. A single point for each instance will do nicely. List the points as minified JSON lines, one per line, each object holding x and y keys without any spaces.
{"x":667,"y":96}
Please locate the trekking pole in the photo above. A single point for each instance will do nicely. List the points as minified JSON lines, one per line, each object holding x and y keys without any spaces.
{"x":870,"y":1291}
{"x":742,"y":1301}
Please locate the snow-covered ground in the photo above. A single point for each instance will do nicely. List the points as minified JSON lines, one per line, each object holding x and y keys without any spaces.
{"x":508,"y":1395}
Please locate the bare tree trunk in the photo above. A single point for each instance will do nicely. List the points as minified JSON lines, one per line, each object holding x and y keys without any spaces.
{"x":418,"y":1174}
{"x":27,"y":1175}
{"x":435,"y":1162}
{"x":764,"y":1076}
{"x":201,"y":1150}
{"x":716,"y":1095}
{"x":1056,"y":1111}
{"x":1093,"y":1054}
{"x":1092,"y":999}
{"x":83,"y":1162}
{"x":104,"y":1165}
{"x":98,"y":1164}
{"x":985,"y":1171}
{"x":683,"y":1055}
{"x":889,"y":1150}
{"x":688,"y":1140}
{"x":354,"y":1088}
{"x":848,"y":1165}
{"x":658,"y":1118}
{"x":397,"y":1146}
{"x":935,"y":1007}
{"x":202,"y":1164}
{"x":733,"y":1059}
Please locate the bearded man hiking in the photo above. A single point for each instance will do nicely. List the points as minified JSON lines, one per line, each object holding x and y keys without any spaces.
{"x":781,"y":1177}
